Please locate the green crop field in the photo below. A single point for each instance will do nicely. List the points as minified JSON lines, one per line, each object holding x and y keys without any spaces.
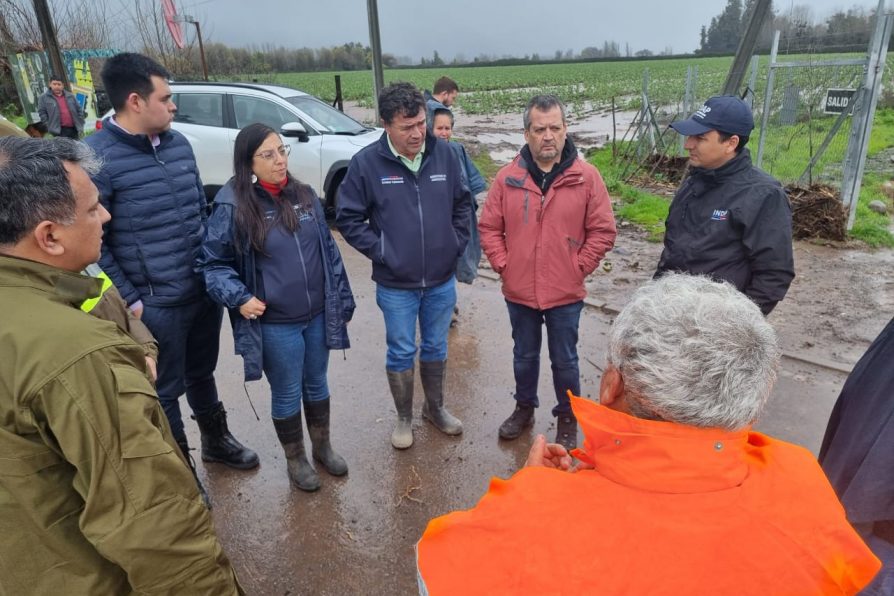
{"x":501,"y":89}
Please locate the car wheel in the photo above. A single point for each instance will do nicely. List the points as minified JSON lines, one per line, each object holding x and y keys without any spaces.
{"x":332,"y":195}
{"x":210,"y":191}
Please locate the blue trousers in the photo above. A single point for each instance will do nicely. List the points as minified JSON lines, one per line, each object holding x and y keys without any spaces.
{"x":561,"y":331}
{"x":188,"y":339}
{"x":296,"y":362}
{"x":432,"y":307}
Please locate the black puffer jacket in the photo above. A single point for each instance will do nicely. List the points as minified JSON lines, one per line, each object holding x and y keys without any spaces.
{"x":733,"y":223}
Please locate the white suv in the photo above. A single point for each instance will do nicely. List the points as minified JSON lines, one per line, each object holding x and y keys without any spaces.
{"x":323,"y":139}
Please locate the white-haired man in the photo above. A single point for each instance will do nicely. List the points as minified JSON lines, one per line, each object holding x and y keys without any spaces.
{"x":674,"y":494}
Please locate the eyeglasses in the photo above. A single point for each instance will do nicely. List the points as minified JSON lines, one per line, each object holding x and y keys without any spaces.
{"x":271,"y":153}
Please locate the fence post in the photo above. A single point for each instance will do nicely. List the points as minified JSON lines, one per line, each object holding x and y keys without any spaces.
{"x":647,"y":111}
{"x":768,"y":97}
{"x":687,"y":106}
{"x":339,"y":101}
{"x":855,"y":159}
{"x":752,"y":81}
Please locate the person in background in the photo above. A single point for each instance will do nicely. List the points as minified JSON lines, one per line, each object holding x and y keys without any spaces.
{"x":269,"y":257}
{"x":729,"y":220}
{"x":546,"y":224}
{"x":59,"y":110}
{"x":404,"y":205}
{"x":857,"y":453}
{"x":442,"y":96}
{"x":150,"y":184}
{"x":95,"y":496}
{"x":674,"y":493}
{"x":467,"y":265}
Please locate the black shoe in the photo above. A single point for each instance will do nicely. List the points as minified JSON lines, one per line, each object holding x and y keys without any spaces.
{"x":219,"y":445}
{"x":566,"y":431}
{"x":521,"y":418}
{"x":184,"y":449}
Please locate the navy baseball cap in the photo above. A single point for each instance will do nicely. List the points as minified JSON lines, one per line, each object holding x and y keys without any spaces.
{"x":724,"y":113}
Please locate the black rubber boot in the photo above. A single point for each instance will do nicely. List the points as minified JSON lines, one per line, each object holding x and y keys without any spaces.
{"x":566,"y":431}
{"x":317,"y":415}
{"x":184,"y":449}
{"x":518,"y":421}
{"x":290,"y":435}
{"x":433,"y":410}
{"x":401,"y":384}
{"x":219,"y":445}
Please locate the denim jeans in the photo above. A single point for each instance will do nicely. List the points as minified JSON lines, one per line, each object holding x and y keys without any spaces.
{"x":561,"y":331}
{"x":188,"y":339}
{"x":296,"y":362}
{"x":432,"y":307}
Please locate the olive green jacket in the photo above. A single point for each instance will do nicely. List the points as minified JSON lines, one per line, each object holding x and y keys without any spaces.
{"x":110,"y":306}
{"x":95,"y":497}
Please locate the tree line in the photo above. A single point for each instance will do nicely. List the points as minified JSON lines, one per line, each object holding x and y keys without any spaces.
{"x":843,"y":31}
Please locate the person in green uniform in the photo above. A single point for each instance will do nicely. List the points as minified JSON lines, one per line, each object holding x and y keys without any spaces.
{"x":95,"y":497}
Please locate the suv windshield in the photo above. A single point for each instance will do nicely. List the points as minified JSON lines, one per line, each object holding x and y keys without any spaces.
{"x":334,"y":121}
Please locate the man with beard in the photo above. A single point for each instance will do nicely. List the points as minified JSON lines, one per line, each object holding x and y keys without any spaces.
{"x":546,"y":225}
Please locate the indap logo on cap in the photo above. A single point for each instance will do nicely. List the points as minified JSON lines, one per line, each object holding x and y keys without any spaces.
{"x":702,"y":112}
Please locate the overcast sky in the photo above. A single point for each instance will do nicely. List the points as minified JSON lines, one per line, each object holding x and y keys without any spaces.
{"x":473,"y":27}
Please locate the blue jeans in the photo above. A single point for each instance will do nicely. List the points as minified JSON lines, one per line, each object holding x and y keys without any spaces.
{"x":432,"y":307}
{"x":296,"y":361}
{"x":561,"y":331}
{"x":188,"y":339}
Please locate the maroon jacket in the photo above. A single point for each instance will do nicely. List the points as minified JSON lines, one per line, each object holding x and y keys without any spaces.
{"x":544,"y":246}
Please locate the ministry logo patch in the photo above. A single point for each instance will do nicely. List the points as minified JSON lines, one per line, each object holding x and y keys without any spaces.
{"x":720,"y":215}
{"x":392,"y":179}
{"x":438,"y":177}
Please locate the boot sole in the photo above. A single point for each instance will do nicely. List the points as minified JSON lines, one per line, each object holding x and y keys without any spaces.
{"x":446,"y":432}
{"x":328,"y":471}
{"x":511,"y":437}
{"x":305,"y":488}
{"x":238,"y":466}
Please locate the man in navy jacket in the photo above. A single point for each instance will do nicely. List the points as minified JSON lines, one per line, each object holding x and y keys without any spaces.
{"x":150,"y":184}
{"x":403,"y":204}
{"x":729,"y":220}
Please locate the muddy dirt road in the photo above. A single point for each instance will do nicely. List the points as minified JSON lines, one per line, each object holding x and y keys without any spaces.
{"x":357,"y":534}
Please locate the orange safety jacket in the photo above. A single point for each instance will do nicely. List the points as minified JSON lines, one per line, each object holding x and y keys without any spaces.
{"x":668,"y":509}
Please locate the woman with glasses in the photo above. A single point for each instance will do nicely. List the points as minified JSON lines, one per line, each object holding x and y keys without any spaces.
{"x":268,"y":256}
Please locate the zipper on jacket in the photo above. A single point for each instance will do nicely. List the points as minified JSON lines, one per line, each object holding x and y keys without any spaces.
{"x":303,"y":268}
{"x":525,"y":219}
{"x":421,"y":228}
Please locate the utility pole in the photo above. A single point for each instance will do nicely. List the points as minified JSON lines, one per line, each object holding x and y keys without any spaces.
{"x":50,"y":43}
{"x":746,"y":48}
{"x":375,"y":44}
{"x":189,"y":19}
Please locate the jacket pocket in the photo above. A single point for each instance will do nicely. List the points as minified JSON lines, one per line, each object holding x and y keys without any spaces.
{"x":141,"y":426}
{"x":19,"y":466}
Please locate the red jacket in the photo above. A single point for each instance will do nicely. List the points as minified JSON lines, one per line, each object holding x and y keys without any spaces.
{"x":545,"y":246}
{"x":669,"y":509}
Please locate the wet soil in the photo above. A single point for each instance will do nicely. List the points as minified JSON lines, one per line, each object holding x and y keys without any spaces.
{"x":356,"y":535}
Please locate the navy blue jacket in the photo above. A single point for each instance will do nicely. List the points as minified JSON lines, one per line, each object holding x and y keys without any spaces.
{"x":732,"y":223}
{"x":413,"y":227}
{"x":158,"y":209}
{"x":232,"y":279}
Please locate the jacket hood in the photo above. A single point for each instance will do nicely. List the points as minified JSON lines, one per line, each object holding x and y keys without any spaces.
{"x":545,"y":179}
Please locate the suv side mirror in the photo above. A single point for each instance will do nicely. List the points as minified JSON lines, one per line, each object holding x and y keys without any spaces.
{"x":294,"y":129}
